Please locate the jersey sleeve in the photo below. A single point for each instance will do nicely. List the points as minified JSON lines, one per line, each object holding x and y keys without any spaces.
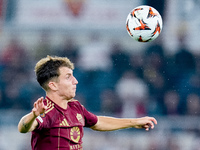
{"x":90,"y":118}
{"x":43,"y":119}
{"x":40,"y":121}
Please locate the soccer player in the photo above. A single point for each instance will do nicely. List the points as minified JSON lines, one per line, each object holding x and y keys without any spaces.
{"x":57,"y":121}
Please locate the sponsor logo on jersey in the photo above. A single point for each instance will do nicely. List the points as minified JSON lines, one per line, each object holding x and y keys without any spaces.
{"x":64,"y":123}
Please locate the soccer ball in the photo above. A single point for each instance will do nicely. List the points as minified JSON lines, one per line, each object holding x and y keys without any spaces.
{"x":144,"y":23}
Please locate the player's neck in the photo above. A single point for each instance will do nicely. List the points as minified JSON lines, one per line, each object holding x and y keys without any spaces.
{"x":62,"y":104}
{"x":60,"y":101}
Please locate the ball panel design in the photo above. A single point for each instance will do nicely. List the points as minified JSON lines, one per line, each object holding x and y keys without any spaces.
{"x":144,"y":23}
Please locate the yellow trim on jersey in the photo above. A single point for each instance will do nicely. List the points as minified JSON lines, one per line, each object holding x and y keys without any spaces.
{"x":72,"y":100}
{"x":50,"y":106}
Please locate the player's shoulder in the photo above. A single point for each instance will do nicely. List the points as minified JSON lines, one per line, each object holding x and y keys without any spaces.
{"x":74,"y":102}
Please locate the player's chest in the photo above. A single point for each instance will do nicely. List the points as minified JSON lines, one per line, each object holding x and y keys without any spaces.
{"x":68,"y":118}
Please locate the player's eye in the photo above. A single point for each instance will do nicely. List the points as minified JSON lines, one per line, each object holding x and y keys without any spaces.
{"x":68,"y":76}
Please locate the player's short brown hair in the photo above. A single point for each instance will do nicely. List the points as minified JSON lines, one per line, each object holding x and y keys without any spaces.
{"x":47,"y":69}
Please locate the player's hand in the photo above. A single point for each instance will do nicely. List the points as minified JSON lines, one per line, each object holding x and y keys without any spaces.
{"x":146,"y":123}
{"x":39,"y":107}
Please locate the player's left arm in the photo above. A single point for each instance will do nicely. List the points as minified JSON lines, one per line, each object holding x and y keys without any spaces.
{"x":28,"y":122}
{"x":110,"y":123}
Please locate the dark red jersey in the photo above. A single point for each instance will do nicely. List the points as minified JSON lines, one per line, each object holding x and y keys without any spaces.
{"x":61,"y":129}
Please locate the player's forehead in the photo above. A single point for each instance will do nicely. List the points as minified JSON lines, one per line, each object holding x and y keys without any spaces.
{"x":65,"y":71}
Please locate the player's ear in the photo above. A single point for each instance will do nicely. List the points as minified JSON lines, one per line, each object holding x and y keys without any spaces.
{"x":52,"y":85}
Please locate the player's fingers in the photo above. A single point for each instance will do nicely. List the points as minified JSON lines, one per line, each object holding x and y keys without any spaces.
{"x":40,"y":100}
{"x":41,"y":104}
{"x":35,"y":105}
{"x":146,"y":127}
{"x":154,"y":120}
{"x":150,"y":124}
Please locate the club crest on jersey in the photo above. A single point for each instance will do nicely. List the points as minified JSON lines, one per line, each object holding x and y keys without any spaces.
{"x":80,"y":118}
{"x":75,"y":134}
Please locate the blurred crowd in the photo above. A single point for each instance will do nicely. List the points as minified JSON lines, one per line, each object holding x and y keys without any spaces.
{"x":112,"y":80}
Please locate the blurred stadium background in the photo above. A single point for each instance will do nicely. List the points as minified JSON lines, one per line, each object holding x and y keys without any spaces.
{"x":117,"y":76}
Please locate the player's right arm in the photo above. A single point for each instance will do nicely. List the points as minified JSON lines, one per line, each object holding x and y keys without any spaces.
{"x":28,"y":122}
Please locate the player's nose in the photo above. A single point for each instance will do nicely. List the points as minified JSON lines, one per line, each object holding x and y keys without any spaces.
{"x":75,"y":81}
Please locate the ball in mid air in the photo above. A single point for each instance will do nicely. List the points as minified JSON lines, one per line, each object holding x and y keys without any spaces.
{"x":144,"y":23}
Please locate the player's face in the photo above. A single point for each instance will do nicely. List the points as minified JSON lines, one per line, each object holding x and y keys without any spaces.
{"x":66,"y":83}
